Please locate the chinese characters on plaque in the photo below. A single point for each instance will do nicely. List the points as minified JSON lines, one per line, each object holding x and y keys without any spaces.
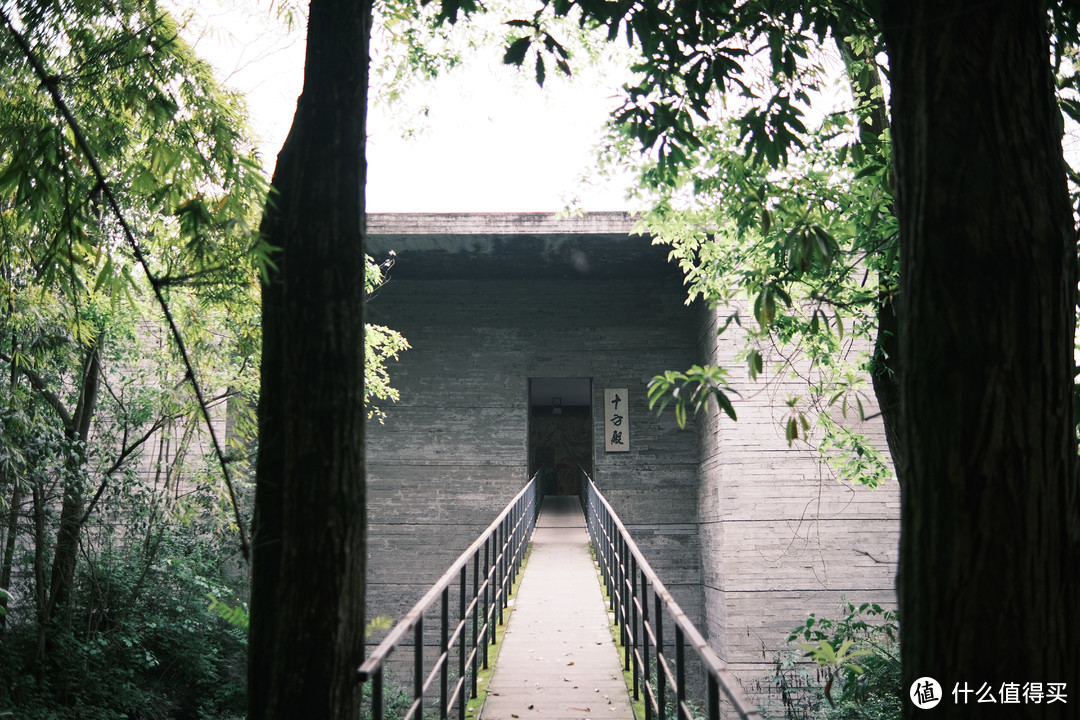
{"x":616,"y":420}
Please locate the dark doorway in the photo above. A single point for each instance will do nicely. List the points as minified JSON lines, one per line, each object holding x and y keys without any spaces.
{"x":560,"y":432}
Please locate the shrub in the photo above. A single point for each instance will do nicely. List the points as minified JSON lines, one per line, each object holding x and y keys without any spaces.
{"x":845,"y":669}
{"x":139,"y":640}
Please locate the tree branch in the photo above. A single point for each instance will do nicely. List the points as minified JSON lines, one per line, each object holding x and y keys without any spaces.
{"x":39,"y":384}
{"x":125,"y":452}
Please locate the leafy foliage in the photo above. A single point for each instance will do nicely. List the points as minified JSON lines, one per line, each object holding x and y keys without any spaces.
{"x":381,"y":344}
{"x":129,"y":266}
{"x":807,"y":252}
{"x":142,"y":643}
{"x":690,"y":390}
{"x":857,"y":661}
{"x":163,"y":132}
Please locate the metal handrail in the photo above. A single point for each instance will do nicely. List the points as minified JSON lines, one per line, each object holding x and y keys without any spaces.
{"x":630,"y":580}
{"x":496,"y":556}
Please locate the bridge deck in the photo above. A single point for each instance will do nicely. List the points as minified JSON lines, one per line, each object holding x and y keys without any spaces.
{"x":558,"y":661}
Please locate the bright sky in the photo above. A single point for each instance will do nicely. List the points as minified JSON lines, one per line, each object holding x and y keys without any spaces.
{"x":492,"y":140}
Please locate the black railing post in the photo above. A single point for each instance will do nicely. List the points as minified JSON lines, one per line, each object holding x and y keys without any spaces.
{"x":713,"y":696}
{"x":444,"y":647}
{"x":661,"y":664}
{"x":461,"y":644}
{"x":609,"y":544}
{"x":498,"y":549}
{"x":377,"y":695}
{"x":418,"y":665}
{"x":489,"y":638}
{"x":680,"y":673}
{"x":645,"y":679}
{"x":513,"y":548}
{"x":476,"y":620}
{"x":622,"y":614}
{"x":635,"y":599}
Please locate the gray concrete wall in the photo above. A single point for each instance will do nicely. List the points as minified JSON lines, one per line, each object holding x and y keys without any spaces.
{"x":452,"y":452}
{"x":780,"y":537}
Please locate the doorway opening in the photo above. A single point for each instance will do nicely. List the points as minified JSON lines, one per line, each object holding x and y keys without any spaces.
{"x":560,"y":432}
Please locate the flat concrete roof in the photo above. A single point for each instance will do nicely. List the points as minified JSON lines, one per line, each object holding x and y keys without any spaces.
{"x":514,"y":245}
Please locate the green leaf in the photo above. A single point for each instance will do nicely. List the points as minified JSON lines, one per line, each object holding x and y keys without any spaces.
{"x":755,"y":363}
{"x":725,"y":404}
{"x":515,"y":51}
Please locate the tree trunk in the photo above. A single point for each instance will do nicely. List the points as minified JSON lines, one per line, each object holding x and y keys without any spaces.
{"x":990,"y":529}
{"x":885,"y":375}
{"x":73,"y":504}
{"x":41,"y":595}
{"x":16,"y":486}
{"x":9,"y":547}
{"x":308,"y":564}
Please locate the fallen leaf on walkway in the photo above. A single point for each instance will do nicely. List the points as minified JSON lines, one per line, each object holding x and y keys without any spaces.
{"x":569,"y":663}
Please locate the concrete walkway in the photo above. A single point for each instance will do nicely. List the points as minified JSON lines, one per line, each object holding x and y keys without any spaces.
{"x":558,"y":661}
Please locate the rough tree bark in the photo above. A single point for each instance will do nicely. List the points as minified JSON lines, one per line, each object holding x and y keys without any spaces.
{"x":308,"y":564}
{"x":990,"y":537}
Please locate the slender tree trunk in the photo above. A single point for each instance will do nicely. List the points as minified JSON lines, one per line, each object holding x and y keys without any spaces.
{"x":41,"y":590}
{"x":9,"y":548}
{"x":16,"y":486}
{"x":990,"y":539}
{"x":308,"y":563}
{"x":73,"y":504}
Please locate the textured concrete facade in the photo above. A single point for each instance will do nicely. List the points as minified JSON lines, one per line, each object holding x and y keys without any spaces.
{"x":780,"y":537}
{"x":489,"y":302}
{"x":749,"y":534}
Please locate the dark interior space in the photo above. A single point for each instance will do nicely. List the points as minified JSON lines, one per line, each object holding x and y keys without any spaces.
{"x":560,"y":432}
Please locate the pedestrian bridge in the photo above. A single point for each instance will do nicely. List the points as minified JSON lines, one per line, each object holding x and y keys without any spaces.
{"x":559,"y":659}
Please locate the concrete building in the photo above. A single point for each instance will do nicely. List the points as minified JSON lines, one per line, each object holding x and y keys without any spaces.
{"x":524,"y":327}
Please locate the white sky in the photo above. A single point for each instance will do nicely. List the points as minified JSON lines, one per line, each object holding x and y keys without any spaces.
{"x":492,"y":140}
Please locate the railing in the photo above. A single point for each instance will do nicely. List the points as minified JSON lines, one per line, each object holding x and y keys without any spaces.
{"x":495,"y":558}
{"x":632,"y":587}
